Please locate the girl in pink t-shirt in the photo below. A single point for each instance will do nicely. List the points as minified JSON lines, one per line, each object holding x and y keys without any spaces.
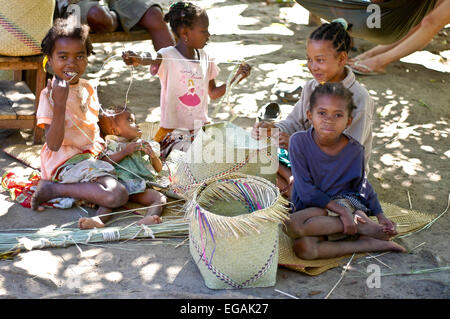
{"x":186,"y":72}
{"x":68,"y":110}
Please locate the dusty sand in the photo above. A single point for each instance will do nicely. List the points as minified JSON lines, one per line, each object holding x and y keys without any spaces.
{"x":411,"y":153}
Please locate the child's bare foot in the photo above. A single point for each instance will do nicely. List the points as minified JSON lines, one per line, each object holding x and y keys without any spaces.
{"x":89,"y":223}
{"x":43,"y":193}
{"x":150,"y":220}
{"x":370,"y":228}
{"x":381,"y":245}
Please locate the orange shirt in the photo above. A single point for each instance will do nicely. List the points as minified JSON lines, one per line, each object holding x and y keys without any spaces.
{"x":82,"y":108}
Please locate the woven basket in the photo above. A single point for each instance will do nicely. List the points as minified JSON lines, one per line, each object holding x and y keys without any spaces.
{"x":233,"y":231}
{"x":220,"y":149}
{"x":23,"y":25}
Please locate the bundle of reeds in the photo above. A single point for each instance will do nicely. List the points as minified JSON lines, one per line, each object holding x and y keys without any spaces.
{"x":13,"y":241}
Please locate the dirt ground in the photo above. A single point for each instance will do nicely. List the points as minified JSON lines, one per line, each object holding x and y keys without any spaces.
{"x":409,"y":168}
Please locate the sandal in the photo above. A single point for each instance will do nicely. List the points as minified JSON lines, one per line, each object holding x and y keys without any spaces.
{"x":290,"y":97}
{"x":368,"y":71}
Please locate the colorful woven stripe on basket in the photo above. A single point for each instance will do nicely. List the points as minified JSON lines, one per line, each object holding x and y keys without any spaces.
{"x":19,"y":34}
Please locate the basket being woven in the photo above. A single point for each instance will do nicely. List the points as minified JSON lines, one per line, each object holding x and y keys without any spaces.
{"x":233,"y":231}
{"x":220,"y":149}
{"x":23,"y":25}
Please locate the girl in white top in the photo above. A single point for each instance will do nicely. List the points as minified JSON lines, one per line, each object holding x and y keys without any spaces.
{"x":185,"y":70}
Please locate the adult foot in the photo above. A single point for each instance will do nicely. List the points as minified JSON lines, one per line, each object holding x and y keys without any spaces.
{"x":150,"y":220}
{"x":44,"y":192}
{"x":381,"y":245}
{"x":368,"y":66}
{"x":370,"y":228}
{"x":89,"y":223}
{"x":362,"y":56}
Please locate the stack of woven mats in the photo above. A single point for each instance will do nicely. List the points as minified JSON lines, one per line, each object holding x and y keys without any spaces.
{"x":409,"y":220}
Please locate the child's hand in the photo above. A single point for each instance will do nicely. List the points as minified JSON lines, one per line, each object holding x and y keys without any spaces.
{"x":283,"y":139}
{"x":242,"y":73}
{"x":131,"y":58}
{"x":349,"y":223}
{"x":388,"y":225}
{"x":58,"y":91}
{"x":133,"y":147}
{"x":148,"y":149}
{"x":257,"y":131}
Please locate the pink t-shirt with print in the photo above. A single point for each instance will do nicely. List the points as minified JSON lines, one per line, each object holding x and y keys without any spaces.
{"x":184,"y":88}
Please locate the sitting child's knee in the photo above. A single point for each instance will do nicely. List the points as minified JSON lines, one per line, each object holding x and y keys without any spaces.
{"x":158,"y":198}
{"x":293,"y":229}
{"x":305,"y":248}
{"x":117,"y":197}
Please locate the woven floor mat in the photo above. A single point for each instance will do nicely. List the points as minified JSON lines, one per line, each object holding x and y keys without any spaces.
{"x":26,"y":154}
{"x":407,"y":221}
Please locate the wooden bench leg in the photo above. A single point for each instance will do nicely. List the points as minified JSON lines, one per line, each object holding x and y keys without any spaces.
{"x":17,"y":75}
{"x":38,"y":134}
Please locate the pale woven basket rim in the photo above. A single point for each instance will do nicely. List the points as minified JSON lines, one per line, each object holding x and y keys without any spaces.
{"x":244,"y":224}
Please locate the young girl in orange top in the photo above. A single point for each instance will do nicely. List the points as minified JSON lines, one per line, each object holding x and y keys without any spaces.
{"x":68,"y":110}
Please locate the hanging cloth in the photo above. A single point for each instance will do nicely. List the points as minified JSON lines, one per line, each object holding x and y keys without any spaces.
{"x":397,"y":17}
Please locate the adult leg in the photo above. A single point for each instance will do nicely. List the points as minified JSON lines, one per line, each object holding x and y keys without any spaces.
{"x":105,"y":192}
{"x":428,"y":28}
{"x":153,"y":21}
{"x":381,"y":48}
{"x":101,"y":19}
{"x":150,"y":198}
{"x":310,"y":248}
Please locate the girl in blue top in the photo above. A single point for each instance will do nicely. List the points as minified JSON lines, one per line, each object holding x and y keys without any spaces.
{"x":331,"y":194}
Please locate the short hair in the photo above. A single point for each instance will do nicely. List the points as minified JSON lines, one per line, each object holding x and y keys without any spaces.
{"x":332,"y":89}
{"x":182,"y":14}
{"x":108,"y":119}
{"x":66,"y":28}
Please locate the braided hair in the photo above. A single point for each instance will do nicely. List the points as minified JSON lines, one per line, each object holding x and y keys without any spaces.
{"x":182,"y":14}
{"x":66,"y":28}
{"x":332,"y":89}
{"x":336,"y":32}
